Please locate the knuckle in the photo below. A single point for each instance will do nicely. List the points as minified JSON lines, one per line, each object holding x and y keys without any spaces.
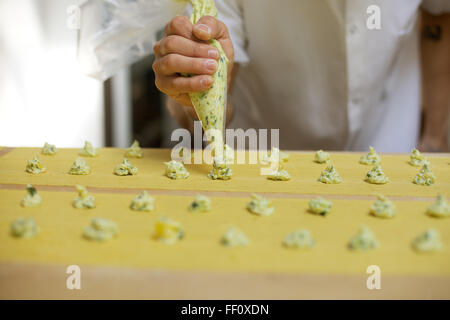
{"x":169,"y":61}
{"x":155,"y":66}
{"x":156,"y":47}
{"x":199,"y":50}
{"x":179,"y":84}
{"x":196,"y":65}
{"x":170,"y":44}
{"x":178,"y":23}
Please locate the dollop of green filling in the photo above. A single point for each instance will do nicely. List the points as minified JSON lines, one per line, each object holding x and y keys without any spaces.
{"x":143,"y":202}
{"x":80,"y":167}
{"x":32,"y":198}
{"x":24,"y":228}
{"x":48,"y":149}
{"x":371,"y":158}
{"x":84,"y":200}
{"x":175,"y":170}
{"x":322,"y":157}
{"x":417,"y":159}
{"x":168,"y":231}
{"x":260,"y":206}
{"x":425,"y":177}
{"x":427,"y":241}
{"x":125,"y":169}
{"x":101,"y":230}
{"x":221,"y":170}
{"x":364,"y":240}
{"x":234,"y":237}
{"x":300,"y":239}
{"x":35,"y":166}
{"x":330,"y":175}
{"x":279,"y":175}
{"x":228,"y":153}
{"x":439,"y":209}
{"x":383,"y":208}
{"x":135,"y":151}
{"x":376,"y":176}
{"x":276,"y":156}
{"x":200,"y":204}
{"x":88,"y":150}
{"x":320,"y":206}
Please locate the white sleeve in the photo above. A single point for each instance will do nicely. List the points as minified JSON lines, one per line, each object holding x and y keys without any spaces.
{"x":116,"y":33}
{"x":436,"y":7}
{"x":230,"y":12}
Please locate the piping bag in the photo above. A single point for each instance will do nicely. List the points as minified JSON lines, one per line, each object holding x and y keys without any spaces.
{"x":210,"y":105}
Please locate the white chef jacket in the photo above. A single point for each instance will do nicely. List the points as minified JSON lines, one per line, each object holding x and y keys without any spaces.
{"x":315,"y":71}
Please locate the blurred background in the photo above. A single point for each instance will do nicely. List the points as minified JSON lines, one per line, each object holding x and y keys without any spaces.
{"x":45,"y":97}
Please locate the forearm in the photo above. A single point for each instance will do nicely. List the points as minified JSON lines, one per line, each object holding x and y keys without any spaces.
{"x":435,"y":49}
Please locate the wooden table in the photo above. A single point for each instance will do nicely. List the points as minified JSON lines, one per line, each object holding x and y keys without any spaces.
{"x":134,"y":266}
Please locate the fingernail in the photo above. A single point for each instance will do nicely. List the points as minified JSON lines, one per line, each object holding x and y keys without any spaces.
{"x":211,"y":65}
{"x":204,"y":28}
{"x":213,"y":54}
{"x":205,"y":82}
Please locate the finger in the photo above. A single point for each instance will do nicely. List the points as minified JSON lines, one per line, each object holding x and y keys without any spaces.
{"x":173,"y":85}
{"x":184,"y":47}
{"x":179,"y":26}
{"x":175,"y":63}
{"x":210,"y":28}
{"x":184,"y":100}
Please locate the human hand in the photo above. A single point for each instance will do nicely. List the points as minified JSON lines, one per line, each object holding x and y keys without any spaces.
{"x":184,"y":49}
